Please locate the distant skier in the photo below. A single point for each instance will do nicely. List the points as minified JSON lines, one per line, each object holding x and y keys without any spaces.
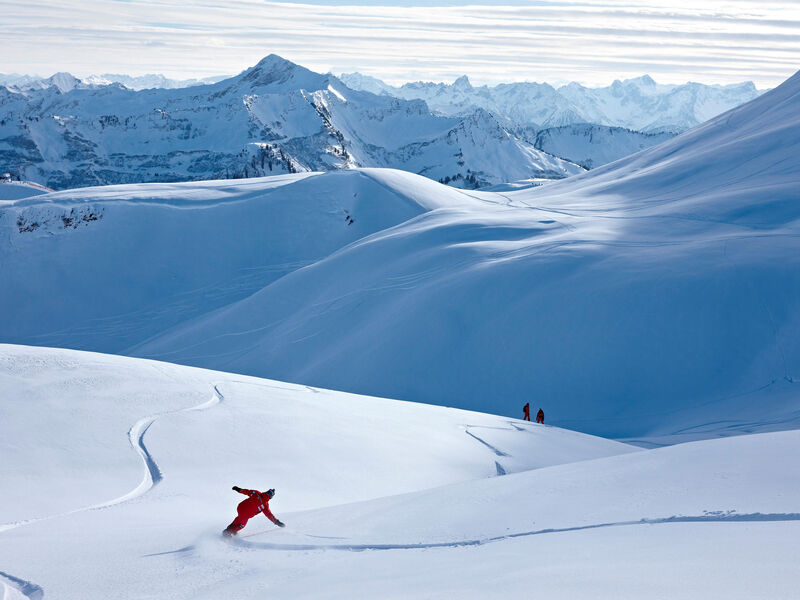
{"x":249,"y":508}
{"x":540,"y":416}
{"x":526,"y":410}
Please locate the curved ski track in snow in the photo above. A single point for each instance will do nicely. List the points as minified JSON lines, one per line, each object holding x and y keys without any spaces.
{"x":152,"y":472}
{"x":709,"y":517}
{"x":152,"y":475}
{"x":728,"y":516}
{"x":15,"y":588}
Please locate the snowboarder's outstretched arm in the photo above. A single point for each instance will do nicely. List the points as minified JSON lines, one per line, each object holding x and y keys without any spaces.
{"x":268,"y":513}
{"x":236,"y":488}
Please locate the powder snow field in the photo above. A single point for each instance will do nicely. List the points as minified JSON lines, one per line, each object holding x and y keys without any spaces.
{"x":116,"y":478}
{"x":127,"y":262}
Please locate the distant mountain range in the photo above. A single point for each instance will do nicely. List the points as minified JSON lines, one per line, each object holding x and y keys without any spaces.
{"x":640,"y":104}
{"x":133,"y":82}
{"x":276,"y":117}
{"x":279,"y":117}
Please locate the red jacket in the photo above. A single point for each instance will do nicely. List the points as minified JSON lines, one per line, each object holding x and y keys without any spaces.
{"x":257,"y":502}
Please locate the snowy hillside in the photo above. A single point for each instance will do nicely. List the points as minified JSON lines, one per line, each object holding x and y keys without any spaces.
{"x":276,"y":117}
{"x":639,"y":104}
{"x":15,"y":190}
{"x":656,"y":297}
{"x":128,"y":262}
{"x":117,"y":473}
{"x":590,"y":145}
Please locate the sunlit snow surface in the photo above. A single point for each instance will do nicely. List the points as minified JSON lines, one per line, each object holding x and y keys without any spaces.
{"x":116,"y":477}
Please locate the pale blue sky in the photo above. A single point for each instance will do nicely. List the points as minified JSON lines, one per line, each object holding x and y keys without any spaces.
{"x":591,"y":41}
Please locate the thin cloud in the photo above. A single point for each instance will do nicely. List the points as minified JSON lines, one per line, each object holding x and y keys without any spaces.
{"x":594,"y":41}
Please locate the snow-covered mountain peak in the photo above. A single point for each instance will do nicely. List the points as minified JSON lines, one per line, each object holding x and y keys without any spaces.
{"x":9,"y":94}
{"x":617,"y":88}
{"x":745,"y":87}
{"x":366,"y":83}
{"x":272,"y":61}
{"x":483,"y":117}
{"x":462,"y":84}
{"x":65,"y":82}
{"x":642,"y":81}
{"x":281,"y":75}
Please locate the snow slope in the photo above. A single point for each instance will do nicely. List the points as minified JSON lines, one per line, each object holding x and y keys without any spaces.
{"x":117,"y":472}
{"x":658,"y":295}
{"x":127,"y":262}
{"x":15,"y":190}
{"x":592,"y":145}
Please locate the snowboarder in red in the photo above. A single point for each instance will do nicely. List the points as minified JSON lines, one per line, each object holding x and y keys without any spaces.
{"x":540,"y":416}
{"x":249,"y":508}
{"x":526,"y":410}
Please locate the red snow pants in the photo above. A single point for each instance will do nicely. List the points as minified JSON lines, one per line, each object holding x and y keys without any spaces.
{"x":246,"y":510}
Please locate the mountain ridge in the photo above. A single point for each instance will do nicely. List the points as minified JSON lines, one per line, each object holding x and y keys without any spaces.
{"x":638,"y":103}
{"x":64,"y":132}
{"x":275,"y":117}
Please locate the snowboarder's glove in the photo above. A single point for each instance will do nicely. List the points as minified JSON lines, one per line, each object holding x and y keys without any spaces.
{"x":236,"y":488}
{"x":279,"y":524}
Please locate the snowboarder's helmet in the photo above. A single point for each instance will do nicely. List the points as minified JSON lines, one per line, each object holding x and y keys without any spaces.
{"x":271,"y":492}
